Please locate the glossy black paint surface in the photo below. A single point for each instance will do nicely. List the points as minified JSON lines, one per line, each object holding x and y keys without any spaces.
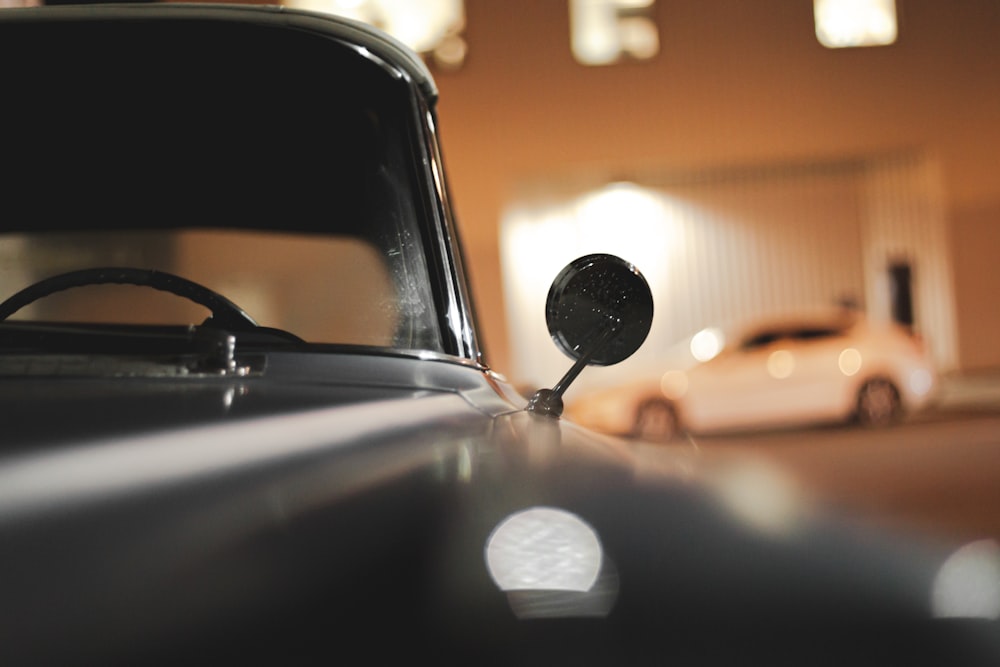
{"x":290,"y":511}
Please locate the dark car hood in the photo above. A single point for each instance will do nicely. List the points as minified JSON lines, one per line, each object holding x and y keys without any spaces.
{"x":47,"y":411}
{"x":302,"y":529}
{"x":73,"y":405}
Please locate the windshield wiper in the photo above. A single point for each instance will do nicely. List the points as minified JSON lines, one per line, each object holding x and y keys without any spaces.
{"x":35,"y":348}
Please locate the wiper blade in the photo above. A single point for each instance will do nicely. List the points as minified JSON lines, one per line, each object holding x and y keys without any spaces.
{"x":32,"y":348}
{"x":106,"y":366}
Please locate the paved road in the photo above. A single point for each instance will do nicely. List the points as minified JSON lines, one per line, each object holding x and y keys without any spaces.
{"x":938,"y":474}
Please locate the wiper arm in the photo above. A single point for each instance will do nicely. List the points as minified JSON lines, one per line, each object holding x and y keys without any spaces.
{"x":192,"y":350}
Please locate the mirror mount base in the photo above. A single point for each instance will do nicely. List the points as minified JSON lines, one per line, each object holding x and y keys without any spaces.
{"x":546,"y":402}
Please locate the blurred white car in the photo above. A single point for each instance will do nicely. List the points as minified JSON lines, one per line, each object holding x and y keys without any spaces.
{"x":786,"y":372}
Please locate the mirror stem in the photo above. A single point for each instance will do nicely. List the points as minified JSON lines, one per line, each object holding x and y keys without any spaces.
{"x":549,"y":401}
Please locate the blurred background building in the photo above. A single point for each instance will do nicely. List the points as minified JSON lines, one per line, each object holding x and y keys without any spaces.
{"x":744,"y":164}
{"x":750,"y":158}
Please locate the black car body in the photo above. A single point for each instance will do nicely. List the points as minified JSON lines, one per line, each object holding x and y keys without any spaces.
{"x":227,"y":492}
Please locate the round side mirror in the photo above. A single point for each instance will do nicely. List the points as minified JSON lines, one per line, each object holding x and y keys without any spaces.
{"x":601,"y":306}
{"x":598,"y":311}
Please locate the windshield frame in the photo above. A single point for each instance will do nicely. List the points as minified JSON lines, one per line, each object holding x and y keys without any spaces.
{"x":431,"y":208}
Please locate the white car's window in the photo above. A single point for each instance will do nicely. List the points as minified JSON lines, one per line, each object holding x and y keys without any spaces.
{"x":761,"y":339}
{"x":808,"y":334}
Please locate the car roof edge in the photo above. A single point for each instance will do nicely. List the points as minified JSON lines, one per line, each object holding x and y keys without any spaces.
{"x":379,"y":45}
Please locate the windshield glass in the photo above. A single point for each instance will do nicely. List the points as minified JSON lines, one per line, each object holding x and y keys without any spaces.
{"x":276,"y":171}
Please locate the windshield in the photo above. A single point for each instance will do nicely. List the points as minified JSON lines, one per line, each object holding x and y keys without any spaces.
{"x":275,"y":171}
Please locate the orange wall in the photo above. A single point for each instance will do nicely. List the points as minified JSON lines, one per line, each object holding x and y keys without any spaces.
{"x":975,"y":240}
{"x":735,"y":83}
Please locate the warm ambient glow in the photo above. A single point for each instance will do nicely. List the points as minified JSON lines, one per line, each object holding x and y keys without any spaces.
{"x":849,"y":361}
{"x":760,"y":495}
{"x":539,"y":236}
{"x":631,"y":221}
{"x":624,"y":219}
{"x":921,"y":381}
{"x":674,"y":384}
{"x":423,"y":25}
{"x":780,"y":364}
{"x":706,"y":344}
{"x":604,"y":31}
{"x":846,"y":23}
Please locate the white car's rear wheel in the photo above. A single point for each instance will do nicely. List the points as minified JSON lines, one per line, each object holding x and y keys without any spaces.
{"x":878,"y":403}
{"x":655,"y":420}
